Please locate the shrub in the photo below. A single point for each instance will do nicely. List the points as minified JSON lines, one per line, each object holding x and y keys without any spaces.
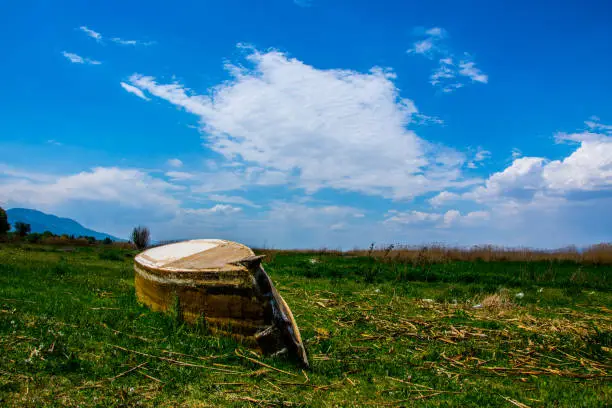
{"x":22,"y":228}
{"x":141,"y":237}
{"x":34,"y":238}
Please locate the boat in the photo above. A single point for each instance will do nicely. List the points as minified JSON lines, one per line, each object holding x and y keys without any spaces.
{"x":224,"y":285}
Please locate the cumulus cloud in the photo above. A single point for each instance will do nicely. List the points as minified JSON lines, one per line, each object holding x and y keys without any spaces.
{"x":535,"y":200}
{"x":77,"y":59}
{"x":537,"y":191}
{"x":588,"y":169}
{"x":111,"y":199}
{"x":447,"y":76}
{"x":336,"y":128}
{"x":133,"y":90}
{"x":128,"y":187}
{"x":442,"y":198}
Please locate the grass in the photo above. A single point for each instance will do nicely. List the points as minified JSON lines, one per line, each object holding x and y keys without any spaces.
{"x":379,"y":332}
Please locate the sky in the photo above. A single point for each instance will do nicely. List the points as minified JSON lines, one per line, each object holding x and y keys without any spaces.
{"x":312,"y":123}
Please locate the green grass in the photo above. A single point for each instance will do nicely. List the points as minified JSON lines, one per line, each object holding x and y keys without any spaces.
{"x":377,"y":334}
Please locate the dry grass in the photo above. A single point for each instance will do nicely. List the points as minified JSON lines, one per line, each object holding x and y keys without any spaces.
{"x":497,"y":301}
{"x":596,"y":254}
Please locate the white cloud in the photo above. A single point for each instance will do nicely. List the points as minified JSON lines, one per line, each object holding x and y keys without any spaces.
{"x":534,"y":200}
{"x":468,"y":69}
{"x":174,"y":162}
{"x":583,"y":175}
{"x":109,"y":199}
{"x":98,"y":37}
{"x":133,"y":90}
{"x":423,"y":46}
{"x":594,"y":125}
{"x":218,"y":209}
{"x":422,"y":119}
{"x":131,"y":42}
{"x":124,"y":42}
{"x":338,"y":129}
{"x":445,"y":72}
{"x":448,"y":219}
{"x":480,"y":156}
{"x":180,"y":175}
{"x":95,"y":35}
{"x":447,"y":75}
{"x":430,"y":45}
{"x":128,"y":187}
{"x":520,"y":181}
{"x":10,"y":173}
{"x":475,"y":217}
{"x":588,"y":168}
{"x":411,"y":217}
{"x":436,"y":32}
{"x":77,"y":59}
{"x":54,"y":142}
{"x":236,"y":178}
{"x":452,"y":87}
{"x":232,"y":200}
{"x":442,"y":198}
{"x":73,"y":57}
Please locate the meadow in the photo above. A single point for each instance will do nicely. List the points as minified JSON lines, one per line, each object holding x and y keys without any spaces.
{"x":382,"y":327}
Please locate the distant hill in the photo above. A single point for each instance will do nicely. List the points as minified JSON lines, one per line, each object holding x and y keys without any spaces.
{"x":41,"y":222}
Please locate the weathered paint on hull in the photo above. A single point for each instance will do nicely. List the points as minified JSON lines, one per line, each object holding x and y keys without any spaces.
{"x":236,"y":299}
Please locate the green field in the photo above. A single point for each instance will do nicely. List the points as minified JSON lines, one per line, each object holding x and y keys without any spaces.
{"x":378,"y":333}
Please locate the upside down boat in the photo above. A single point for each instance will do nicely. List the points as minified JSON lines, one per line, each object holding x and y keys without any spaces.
{"x":224,"y":283}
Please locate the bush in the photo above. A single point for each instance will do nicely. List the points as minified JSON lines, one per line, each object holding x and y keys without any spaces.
{"x":34,"y":238}
{"x":22,"y":228}
{"x":141,"y":237}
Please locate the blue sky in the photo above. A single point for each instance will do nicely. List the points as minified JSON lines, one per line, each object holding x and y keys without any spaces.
{"x":312,"y":123}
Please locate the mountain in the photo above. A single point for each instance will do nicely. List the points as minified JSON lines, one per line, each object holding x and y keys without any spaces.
{"x":41,"y":222}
